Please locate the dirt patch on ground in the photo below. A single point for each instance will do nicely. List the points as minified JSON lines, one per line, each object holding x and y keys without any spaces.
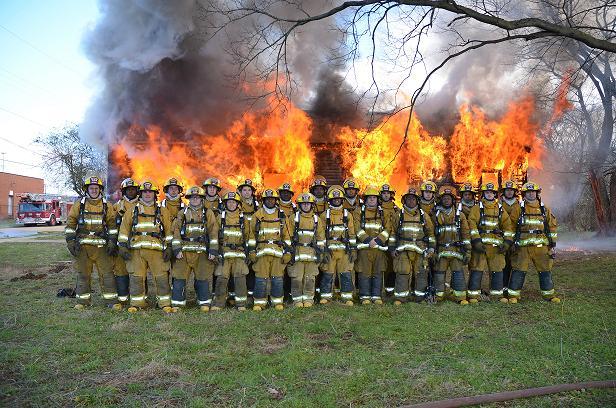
{"x":29,"y":276}
{"x":16,"y":274}
{"x":273,"y":344}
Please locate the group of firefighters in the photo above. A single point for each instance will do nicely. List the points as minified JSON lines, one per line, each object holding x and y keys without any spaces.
{"x":331,"y":243}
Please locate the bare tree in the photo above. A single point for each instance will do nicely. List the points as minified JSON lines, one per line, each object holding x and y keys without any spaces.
{"x":68,"y":160}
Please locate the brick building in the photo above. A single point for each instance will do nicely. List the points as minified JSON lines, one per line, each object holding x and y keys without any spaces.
{"x":11,"y":186}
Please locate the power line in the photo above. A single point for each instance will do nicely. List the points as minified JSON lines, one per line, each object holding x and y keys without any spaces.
{"x":27,"y":82}
{"x":23,"y":117}
{"x":20,"y":146}
{"x":22,"y":163}
{"x":34,"y":47}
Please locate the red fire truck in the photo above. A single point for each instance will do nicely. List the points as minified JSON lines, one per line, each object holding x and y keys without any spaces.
{"x":47,"y":209}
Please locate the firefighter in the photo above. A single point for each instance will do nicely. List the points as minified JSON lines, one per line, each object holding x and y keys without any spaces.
{"x":412,"y":245}
{"x":212,"y":200}
{"x":491,"y":236}
{"x":373,"y":230}
{"x":308,"y":243}
{"x":249,"y":205}
{"x":452,"y":245}
{"x":467,"y":198}
{"x":352,"y":201}
{"x":509,"y":201}
{"x":341,"y":252}
{"x":428,"y":197}
{"x":91,"y":237}
{"x":390,"y":209}
{"x":232,"y":241}
{"x":142,"y":243}
{"x":130,"y":196}
{"x":318,"y":188}
{"x":534,"y":241}
{"x":173,"y":198}
{"x":195,"y":247}
{"x":272,"y":251}
{"x":285,"y":192}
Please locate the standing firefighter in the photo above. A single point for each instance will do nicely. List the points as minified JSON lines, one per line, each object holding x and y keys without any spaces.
{"x":534,"y":241}
{"x":232,"y":241}
{"x":91,"y":237}
{"x":308,"y":242}
{"x":143,"y":246}
{"x":285,"y":192}
{"x":340,"y":253}
{"x":452,"y":245}
{"x":212,"y":200}
{"x":172,"y":203}
{"x":248,"y":205}
{"x":412,"y":245}
{"x":318,"y":188}
{"x":509,"y":201}
{"x":467,"y":199}
{"x":130,"y":196}
{"x":372,"y":238}
{"x":352,"y":202}
{"x":427,"y":201}
{"x":272,"y":252}
{"x":390,"y":210}
{"x":195,"y":246}
{"x":491,"y":237}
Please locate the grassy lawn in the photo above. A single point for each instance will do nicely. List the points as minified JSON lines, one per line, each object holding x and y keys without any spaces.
{"x":325,"y":356}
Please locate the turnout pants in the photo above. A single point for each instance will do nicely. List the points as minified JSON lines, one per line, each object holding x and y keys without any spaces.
{"x":268,"y":269}
{"x":520,"y":262}
{"x":458,"y":284}
{"x":121,"y":278}
{"x":196,"y":263}
{"x":237,"y":269}
{"x":141,"y":261}
{"x":371,"y":263}
{"x":303,"y":275}
{"x":407,"y":264}
{"x":338,"y":266}
{"x":491,"y":261}
{"x":88,"y":257}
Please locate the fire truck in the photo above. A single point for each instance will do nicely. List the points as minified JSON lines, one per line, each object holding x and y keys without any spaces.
{"x":43,"y":209}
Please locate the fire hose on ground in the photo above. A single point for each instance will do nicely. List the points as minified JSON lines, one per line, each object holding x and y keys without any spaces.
{"x":512,"y":395}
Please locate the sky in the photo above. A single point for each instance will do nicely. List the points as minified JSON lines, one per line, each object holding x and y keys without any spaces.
{"x":46,"y":80}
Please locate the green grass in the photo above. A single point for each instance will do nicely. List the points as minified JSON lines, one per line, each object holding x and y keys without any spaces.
{"x":32,"y":254}
{"x":325,"y":356}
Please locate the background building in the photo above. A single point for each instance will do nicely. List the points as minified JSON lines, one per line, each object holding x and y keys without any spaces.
{"x":11,"y":186}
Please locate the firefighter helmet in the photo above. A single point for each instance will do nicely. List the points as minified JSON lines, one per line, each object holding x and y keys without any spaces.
{"x":530,"y":186}
{"x":412,"y":190}
{"x":195,"y":190}
{"x":447,"y":190}
{"x":387,"y":187}
{"x":318,"y":181}
{"x":467,"y":188}
{"x":335,"y":192}
{"x":509,"y":184}
{"x":350,"y":183}
{"x":306,"y":198}
{"x":270,"y":193}
{"x":93,"y":181}
{"x":246,"y":183}
{"x":286,"y":187}
{"x":489,"y":187}
{"x":172,"y":182}
{"x":231,"y":195}
{"x":212,"y":181}
{"x":371,"y":191}
{"x":128,"y":182}
{"x":148,"y":185}
{"x":428,"y":186}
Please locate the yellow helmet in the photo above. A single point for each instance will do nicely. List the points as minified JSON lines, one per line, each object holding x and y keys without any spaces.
{"x":231,"y":195}
{"x":371,"y":191}
{"x":172,"y":182}
{"x":148,"y":185}
{"x":286,"y":187}
{"x":212,"y":181}
{"x":350,"y":183}
{"x":93,"y":181}
{"x":306,"y":197}
{"x":489,"y":187}
{"x":467,"y":188}
{"x":270,"y":192}
{"x":387,"y":187}
{"x":335,"y":192}
{"x":412,"y":190}
{"x":428,"y":186}
{"x":509,"y":184}
{"x":195,"y":190}
{"x":530,"y":186}
{"x":447,"y":190}
{"x":246,"y":183}
{"x":318,"y":181}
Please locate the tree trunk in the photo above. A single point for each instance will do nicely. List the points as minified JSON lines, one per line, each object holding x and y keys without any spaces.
{"x":612,"y":208}
{"x":599,"y":192}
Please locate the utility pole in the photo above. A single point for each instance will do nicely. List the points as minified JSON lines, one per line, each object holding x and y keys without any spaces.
{"x":3,"y":153}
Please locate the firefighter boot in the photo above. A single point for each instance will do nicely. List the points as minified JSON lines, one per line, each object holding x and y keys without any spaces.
{"x":421,"y":284}
{"x":547,"y":287}
{"x":309,"y":284}
{"x":439,"y":285}
{"x":202,"y":290}
{"x":296,"y":292}
{"x":122,"y":283}
{"x":221,"y":291}
{"x":277,"y":292}
{"x":474,"y":286}
{"x":364,"y":289}
{"x":376,"y":286}
{"x":327,"y":280}
{"x":137,"y":293}
{"x":516,"y":282}
{"x":496,"y":286}
{"x":346,"y":288}
{"x":458,"y":287}
{"x":240,"y":292}
{"x":401,"y":292}
{"x":178,"y":294}
{"x":260,"y":294}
